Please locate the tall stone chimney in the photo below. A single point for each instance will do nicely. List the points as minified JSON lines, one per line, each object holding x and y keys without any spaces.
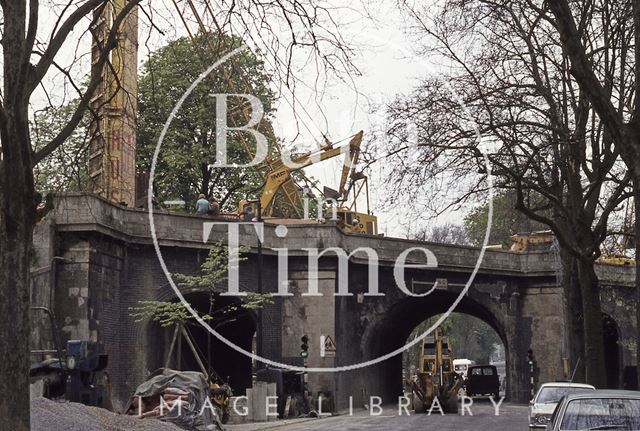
{"x":112,"y":149}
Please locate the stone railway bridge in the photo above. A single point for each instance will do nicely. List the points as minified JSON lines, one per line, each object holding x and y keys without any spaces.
{"x":94,"y":260}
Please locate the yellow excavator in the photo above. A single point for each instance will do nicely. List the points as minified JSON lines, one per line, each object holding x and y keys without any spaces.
{"x":348,"y":217}
{"x":436,"y":377}
{"x":543,"y":240}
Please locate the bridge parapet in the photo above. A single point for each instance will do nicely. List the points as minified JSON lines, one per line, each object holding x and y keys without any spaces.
{"x":84,"y":211}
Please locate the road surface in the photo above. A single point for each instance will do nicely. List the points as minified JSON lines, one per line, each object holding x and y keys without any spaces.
{"x":511,"y":418}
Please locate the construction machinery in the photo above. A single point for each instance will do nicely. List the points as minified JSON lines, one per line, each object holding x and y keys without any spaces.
{"x":530,"y":241}
{"x":277,"y":175}
{"x":543,"y":241}
{"x":436,"y":383}
{"x":220,"y":393}
{"x":351,"y":185}
{"x":616,"y":259}
{"x":77,"y":375}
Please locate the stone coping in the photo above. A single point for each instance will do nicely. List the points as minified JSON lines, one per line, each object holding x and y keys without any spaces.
{"x":86,"y":212}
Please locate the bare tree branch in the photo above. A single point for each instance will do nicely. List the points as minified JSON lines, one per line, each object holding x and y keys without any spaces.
{"x":58,"y":39}
{"x":93,"y":84}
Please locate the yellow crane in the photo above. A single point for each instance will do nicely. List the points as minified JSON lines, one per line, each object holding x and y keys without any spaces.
{"x":280,"y":173}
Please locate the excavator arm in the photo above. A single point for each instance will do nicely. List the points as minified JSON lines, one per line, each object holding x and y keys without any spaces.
{"x":349,"y":166}
{"x":276,"y":177}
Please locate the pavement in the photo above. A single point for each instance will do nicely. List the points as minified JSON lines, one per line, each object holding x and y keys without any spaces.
{"x":512,"y":417}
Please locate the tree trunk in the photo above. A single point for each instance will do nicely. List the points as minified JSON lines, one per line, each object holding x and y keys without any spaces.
{"x":14,"y":344}
{"x":632,"y":148}
{"x":573,"y":313}
{"x":636,"y":205}
{"x":206,"y":179}
{"x":592,"y":318}
{"x":17,"y":215}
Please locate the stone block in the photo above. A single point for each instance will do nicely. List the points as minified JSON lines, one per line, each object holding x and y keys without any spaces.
{"x":238,"y":405}
{"x":271,"y":394}
{"x":258,"y":408}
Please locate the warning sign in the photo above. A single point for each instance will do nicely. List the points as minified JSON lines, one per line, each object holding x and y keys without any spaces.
{"x":327,"y":347}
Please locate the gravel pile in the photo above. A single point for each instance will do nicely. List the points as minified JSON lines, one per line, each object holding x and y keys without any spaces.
{"x":47,"y":415}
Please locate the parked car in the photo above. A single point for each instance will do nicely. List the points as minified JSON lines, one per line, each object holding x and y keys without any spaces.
{"x":483,"y":380}
{"x":597,"y":410}
{"x":547,"y":398}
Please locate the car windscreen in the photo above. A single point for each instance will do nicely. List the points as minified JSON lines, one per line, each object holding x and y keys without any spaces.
{"x":482,"y":371}
{"x":553,"y":394}
{"x":602,"y":413}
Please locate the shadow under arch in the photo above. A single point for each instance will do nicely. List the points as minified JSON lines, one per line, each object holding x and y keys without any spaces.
{"x":216,"y":355}
{"x":393,"y":330}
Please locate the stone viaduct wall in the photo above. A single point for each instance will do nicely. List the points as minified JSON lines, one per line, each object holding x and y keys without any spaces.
{"x":95,"y":260}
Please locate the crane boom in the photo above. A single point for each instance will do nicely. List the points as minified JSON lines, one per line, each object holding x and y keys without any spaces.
{"x":276,"y":177}
{"x":347,"y":168}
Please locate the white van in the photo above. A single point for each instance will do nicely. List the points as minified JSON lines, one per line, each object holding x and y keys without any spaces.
{"x":461,"y":366}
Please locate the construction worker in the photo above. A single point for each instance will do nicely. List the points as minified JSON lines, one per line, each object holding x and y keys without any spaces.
{"x":214,"y":207}
{"x":248,"y":213}
{"x":202,"y":205}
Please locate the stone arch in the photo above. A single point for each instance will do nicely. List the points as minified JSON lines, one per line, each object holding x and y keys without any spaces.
{"x":224,"y":360}
{"x":392,"y":330}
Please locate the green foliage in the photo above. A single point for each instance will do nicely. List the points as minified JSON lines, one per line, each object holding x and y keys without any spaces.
{"x":470,"y":338}
{"x":65,"y":169}
{"x":213,"y":272}
{"x":164,"y":312}
{"x":506,"y":221}
{"x":213,"y":269}
{"x":189,"y":148}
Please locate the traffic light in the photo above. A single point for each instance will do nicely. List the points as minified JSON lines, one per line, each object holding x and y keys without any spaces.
{"x":530,"y":359}
{"x":304,"y":352}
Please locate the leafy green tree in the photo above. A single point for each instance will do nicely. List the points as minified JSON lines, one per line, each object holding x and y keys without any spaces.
{"x":506,"y":221}
{"x":189,"y":147}
{"x":65,"y":169}
{"x":470,"y":338}
{"x":214,"y":272}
